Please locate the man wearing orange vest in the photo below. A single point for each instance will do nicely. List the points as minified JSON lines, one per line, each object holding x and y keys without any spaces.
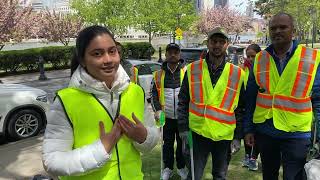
{"x":165,"y":90}
{"x":282,"y":93}
{"x":208,"y":98}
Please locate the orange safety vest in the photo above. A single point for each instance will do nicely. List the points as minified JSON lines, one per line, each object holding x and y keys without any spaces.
{"x":158,"y":77}
{"x":286,"y":98}
{"x":134,"y":74}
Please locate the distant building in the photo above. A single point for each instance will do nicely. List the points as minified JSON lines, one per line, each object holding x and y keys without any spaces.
{"x":24,"y":3}
{"x":221,"y":3}
{"x":203,"y":5}
{"x":62,"y":6}
{"x":37,"y":5}
{"x":249,"y":10}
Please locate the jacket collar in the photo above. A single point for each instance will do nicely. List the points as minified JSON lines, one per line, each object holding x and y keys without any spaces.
{"x":270,"y":50}
{"x":180,"y":65}
{"x":84,"y":81}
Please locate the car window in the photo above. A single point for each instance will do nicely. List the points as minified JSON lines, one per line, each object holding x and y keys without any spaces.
{"x":155,"y":67}
{"x":190,"y":56}
{"x":144,"y":69}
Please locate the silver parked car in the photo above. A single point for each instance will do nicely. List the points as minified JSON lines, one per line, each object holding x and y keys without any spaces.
{"x":22,"y":110}
{"x":145,"y":70}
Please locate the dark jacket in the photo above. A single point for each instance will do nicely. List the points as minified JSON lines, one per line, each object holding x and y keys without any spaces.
{"x":267,"y":127}
{"x":184,"y":99}
{"x":171,"y":81}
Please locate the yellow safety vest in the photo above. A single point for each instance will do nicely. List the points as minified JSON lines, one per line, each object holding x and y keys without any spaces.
{"x":134,"y":75}
{"x":211,"y":109}
{"x":158,"y":77}
{"x":85,"y":111}
{"x":246,"y":76}
{"x":286,"y":98}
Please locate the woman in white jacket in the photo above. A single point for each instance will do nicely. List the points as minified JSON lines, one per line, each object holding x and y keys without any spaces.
{"x":78,"y":143}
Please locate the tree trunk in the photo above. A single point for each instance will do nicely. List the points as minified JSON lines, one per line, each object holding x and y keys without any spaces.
{"x":235,"y":39}
{"x":150,"y":36}
{"x":1,"y":46}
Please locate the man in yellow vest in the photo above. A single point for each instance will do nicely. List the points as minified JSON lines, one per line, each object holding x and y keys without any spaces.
{"x":165,"y":90}
{"x":207,"y":99}
{"x":282,"y":91}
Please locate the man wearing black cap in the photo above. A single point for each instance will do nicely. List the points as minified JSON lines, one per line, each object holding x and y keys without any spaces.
{"x":165,"y":89}
{"x":208,"y":96}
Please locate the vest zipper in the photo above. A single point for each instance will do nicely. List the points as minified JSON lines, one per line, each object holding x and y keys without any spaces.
{"x":111,"y":101}
{"x":113,"y":120}
{"x":174,"y":103}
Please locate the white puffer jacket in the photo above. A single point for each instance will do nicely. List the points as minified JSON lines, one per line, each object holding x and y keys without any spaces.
{"x":58,"y":156}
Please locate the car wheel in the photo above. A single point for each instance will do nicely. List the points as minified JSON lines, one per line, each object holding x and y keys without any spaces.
{"x":24,"y":123}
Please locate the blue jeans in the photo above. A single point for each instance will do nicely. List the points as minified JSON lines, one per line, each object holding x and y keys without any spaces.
{"x":220,"y":152}
{"x":291,"y":153}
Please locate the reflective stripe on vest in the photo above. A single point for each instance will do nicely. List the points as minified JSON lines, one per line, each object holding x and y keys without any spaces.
{"x":264,"y":69}
{"x":134,"y":74}
{"x":304,"y":73}
{"x":233,"y":83}
{"x":158,"y":77}
{"x":196,"y":82}
{"x":85,"y":112}
{"x":212,"y":108}
{"x":212,"y":113}
{"x":286,"y":98}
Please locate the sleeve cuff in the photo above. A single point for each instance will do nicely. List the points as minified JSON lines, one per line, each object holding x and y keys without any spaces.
{"x":150,"y":142}
{"x":100,"y":154}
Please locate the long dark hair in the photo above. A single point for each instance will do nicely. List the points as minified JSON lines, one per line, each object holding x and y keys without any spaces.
{"x":254,"y":47}
{"x":84,"y":38}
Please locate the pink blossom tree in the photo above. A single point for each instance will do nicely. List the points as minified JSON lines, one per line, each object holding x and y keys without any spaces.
{"x":58,"y":27}
{"x":230,"y":20}
{"x":14,"y":21}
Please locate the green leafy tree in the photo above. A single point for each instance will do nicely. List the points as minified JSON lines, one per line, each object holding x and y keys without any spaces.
{"x":301,"y":10}
{"x":179,"y":13}
{"x":149,"y":17}
{"x":114,"y":14}
{"x":156,"y":16}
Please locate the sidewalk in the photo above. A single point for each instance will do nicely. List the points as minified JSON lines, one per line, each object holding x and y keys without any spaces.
{"x":21,"y":160}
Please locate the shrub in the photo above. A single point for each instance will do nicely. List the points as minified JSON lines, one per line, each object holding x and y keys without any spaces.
{"x":59,"y":57}
{"x":27,"y":60}
{"x":139,"y":50}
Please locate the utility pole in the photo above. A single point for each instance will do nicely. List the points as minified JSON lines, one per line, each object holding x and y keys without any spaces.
{"x":282,"y":5}
{"x":178,"y":19}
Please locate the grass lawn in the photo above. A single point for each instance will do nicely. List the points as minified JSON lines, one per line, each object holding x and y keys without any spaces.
{"x":151,"y":167}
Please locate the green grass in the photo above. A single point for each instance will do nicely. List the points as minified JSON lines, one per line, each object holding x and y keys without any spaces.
{"x":151,"y":167}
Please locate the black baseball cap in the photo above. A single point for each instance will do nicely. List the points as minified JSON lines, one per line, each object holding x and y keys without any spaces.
{"x":173,"y":46}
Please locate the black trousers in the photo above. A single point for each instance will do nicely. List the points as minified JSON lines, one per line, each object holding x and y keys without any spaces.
{"x":220,"y":152}
{"x":291,"y":153}
{"x":251,"y":151}
{"x":170,"y":134}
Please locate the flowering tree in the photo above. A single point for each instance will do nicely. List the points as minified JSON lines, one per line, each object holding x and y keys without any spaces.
{"x":13,"y":21}
{"x":232,"y":21}
{"x":58,"y":27}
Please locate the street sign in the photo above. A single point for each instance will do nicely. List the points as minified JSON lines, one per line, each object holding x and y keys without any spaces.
{"x":179,"y":37}
{"x":178,"y":32}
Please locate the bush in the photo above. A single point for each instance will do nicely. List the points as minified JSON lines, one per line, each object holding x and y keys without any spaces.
{"x":59,"y":57}
{"x":27,"y":60}
{"x":139,"y":50}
